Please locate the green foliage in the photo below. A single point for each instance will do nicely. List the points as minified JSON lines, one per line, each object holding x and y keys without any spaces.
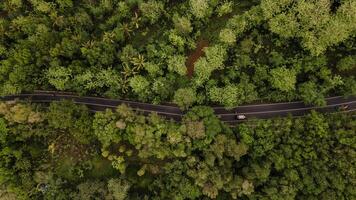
{"x":310,"y":94}
{"x":182,"y":24}
{"x":213,"y":60}
{"x":66,"y":115}
{"x":227,"y":36}
{"x":283,"y":79}
{"x":105,"y":128}
{"x":153,"y":69}
{"x":270,"y":7}
{"x":151,"y":10}
{"x":163,"y":87}
{"x":347,"y":63}
{"x":140,"y":86}
{"x":312,"y":21}
{"x":19,"y":113}
{"x":284,"y":25}
{"x":185,"y":97}
{"x":129,"y":49}
{"x":225,"y":8}
{"x":197,"y":158}
{"x":273,"y":50}
{"x":246,"y":21}
{"x":60,"y":115}
{"x":349,"y":86}
{"x":215,"y":55}
{"x":176,"y":40}
{"x":7,"y":195}
{"x":3,"y":130}
{"x":91,"y":190}
{"x":233,"y":95}
{"x":200,"y":8}
{"x":59,"y":77}
{"x":118,"y":188}
{"x":301,"y":165}
{"x":98,"y":81}
{"x":177,"y":64}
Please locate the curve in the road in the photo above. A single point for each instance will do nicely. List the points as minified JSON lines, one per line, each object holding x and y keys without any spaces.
{"x":260,"y":111}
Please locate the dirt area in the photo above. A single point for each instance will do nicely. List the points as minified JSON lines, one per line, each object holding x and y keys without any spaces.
{"x":194,"y":56}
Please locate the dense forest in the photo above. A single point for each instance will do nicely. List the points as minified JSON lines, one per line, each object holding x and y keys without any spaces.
{"x":193,"y":52}
{"x":64,"y":152}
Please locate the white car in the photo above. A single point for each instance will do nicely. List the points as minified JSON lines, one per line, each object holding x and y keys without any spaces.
{"x":241,"y":117}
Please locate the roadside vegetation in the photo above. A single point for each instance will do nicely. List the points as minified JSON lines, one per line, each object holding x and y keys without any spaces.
{"x":65,"y":152}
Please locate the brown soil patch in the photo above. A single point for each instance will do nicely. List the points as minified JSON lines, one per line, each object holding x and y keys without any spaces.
{"x":194,"y":56}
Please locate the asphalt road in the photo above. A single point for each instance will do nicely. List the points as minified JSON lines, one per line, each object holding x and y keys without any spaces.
{"x":258,"y":111}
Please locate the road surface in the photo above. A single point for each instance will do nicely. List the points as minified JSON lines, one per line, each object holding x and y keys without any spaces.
{"x":258,"y":111}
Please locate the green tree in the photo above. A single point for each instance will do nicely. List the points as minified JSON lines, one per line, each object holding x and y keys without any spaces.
{"x":233,"y":95}
{"x":225,"y":8}
{"x":59,"y":77}
{"x":271,"y":8}
{"x":349,"y":87}
{"x":283,"y":79}
{"x":311,"y":95}
{"x":163,"y":87}
{"x":227,"y":36}
{"x":284,"y":24}
{"x":185,"y":97}
{"x":20,"y":113}
{"x":176,"y":64}
{"x":312,"y":21}
{"x":177,"y":40}
{"x":213,"y":60}
{"x":182,"y":24}
{"x":151,"y":10}
{"x":347,"y":63}
{"x":153,"y":69}
{"x":140,"y":85}
{"x":105,"y":129}
{"x":65,"y":115}
{"x":105,"y":81}
{"x":118,"y":188}
{"x":200,"y":8}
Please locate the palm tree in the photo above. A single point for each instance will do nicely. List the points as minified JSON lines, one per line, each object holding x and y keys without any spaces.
{"x":126,"y":29}
{"x":109,"y":37}
{"x":89,"y":44}
{"x":136,"y":20}
{"x":138,"y":62}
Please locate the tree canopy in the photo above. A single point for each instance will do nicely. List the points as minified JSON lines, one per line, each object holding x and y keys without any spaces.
{"x":65,"y":152}
{"x":192,"y":53}
{"x":150,"y":50}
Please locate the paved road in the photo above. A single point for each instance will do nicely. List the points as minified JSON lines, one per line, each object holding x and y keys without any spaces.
{"x":259,"y":111}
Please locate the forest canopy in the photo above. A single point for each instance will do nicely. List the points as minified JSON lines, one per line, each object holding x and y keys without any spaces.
{"x":192,"y":53}
{"x":274,"y":50}
{"x":65,"y":152}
